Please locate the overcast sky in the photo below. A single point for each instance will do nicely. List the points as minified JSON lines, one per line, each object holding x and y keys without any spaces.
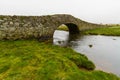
{"x":95,"y":11}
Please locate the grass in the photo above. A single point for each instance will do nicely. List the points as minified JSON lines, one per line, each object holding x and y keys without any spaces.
{"x":63,"y":27}
{"x":33,"y":60}
{"x":109,"y":31}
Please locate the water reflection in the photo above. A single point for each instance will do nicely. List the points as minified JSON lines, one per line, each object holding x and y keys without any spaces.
{"x":104,"y":51}
{"x":61,"y":38}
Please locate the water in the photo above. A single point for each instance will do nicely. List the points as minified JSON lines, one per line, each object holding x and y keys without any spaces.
{"x":104,"y":51}
{"x":61,"y":38}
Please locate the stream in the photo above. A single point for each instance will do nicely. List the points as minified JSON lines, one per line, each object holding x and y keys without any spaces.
{"x":104,"y":51}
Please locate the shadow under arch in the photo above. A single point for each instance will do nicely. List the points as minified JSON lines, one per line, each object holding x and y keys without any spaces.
{"x":73,"y":28}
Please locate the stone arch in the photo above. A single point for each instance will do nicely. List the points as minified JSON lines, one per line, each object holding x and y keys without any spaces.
{"x":73,"y":28}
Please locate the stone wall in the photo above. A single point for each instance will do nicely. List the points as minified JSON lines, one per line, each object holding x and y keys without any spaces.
{"x":24,"y":27}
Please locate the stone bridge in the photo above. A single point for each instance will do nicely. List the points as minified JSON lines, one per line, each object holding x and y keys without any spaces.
{"x":24,"y":27}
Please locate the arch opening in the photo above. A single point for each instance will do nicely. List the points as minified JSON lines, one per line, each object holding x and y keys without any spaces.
{"x":63,"y":34}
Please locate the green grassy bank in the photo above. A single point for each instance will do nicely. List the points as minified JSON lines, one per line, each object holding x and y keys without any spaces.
{"x":109,"y":31}
{"x":33,"y":60}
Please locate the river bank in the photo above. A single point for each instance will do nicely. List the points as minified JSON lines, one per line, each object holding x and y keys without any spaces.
{"x":108,"y":31}
{"x":31,"y":59}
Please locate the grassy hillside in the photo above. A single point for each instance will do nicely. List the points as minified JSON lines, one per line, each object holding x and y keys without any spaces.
{"x":33,"y":60}
{"x":109,"y":31}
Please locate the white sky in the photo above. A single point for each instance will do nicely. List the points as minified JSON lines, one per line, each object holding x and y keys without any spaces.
{"x":95,"y":11}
